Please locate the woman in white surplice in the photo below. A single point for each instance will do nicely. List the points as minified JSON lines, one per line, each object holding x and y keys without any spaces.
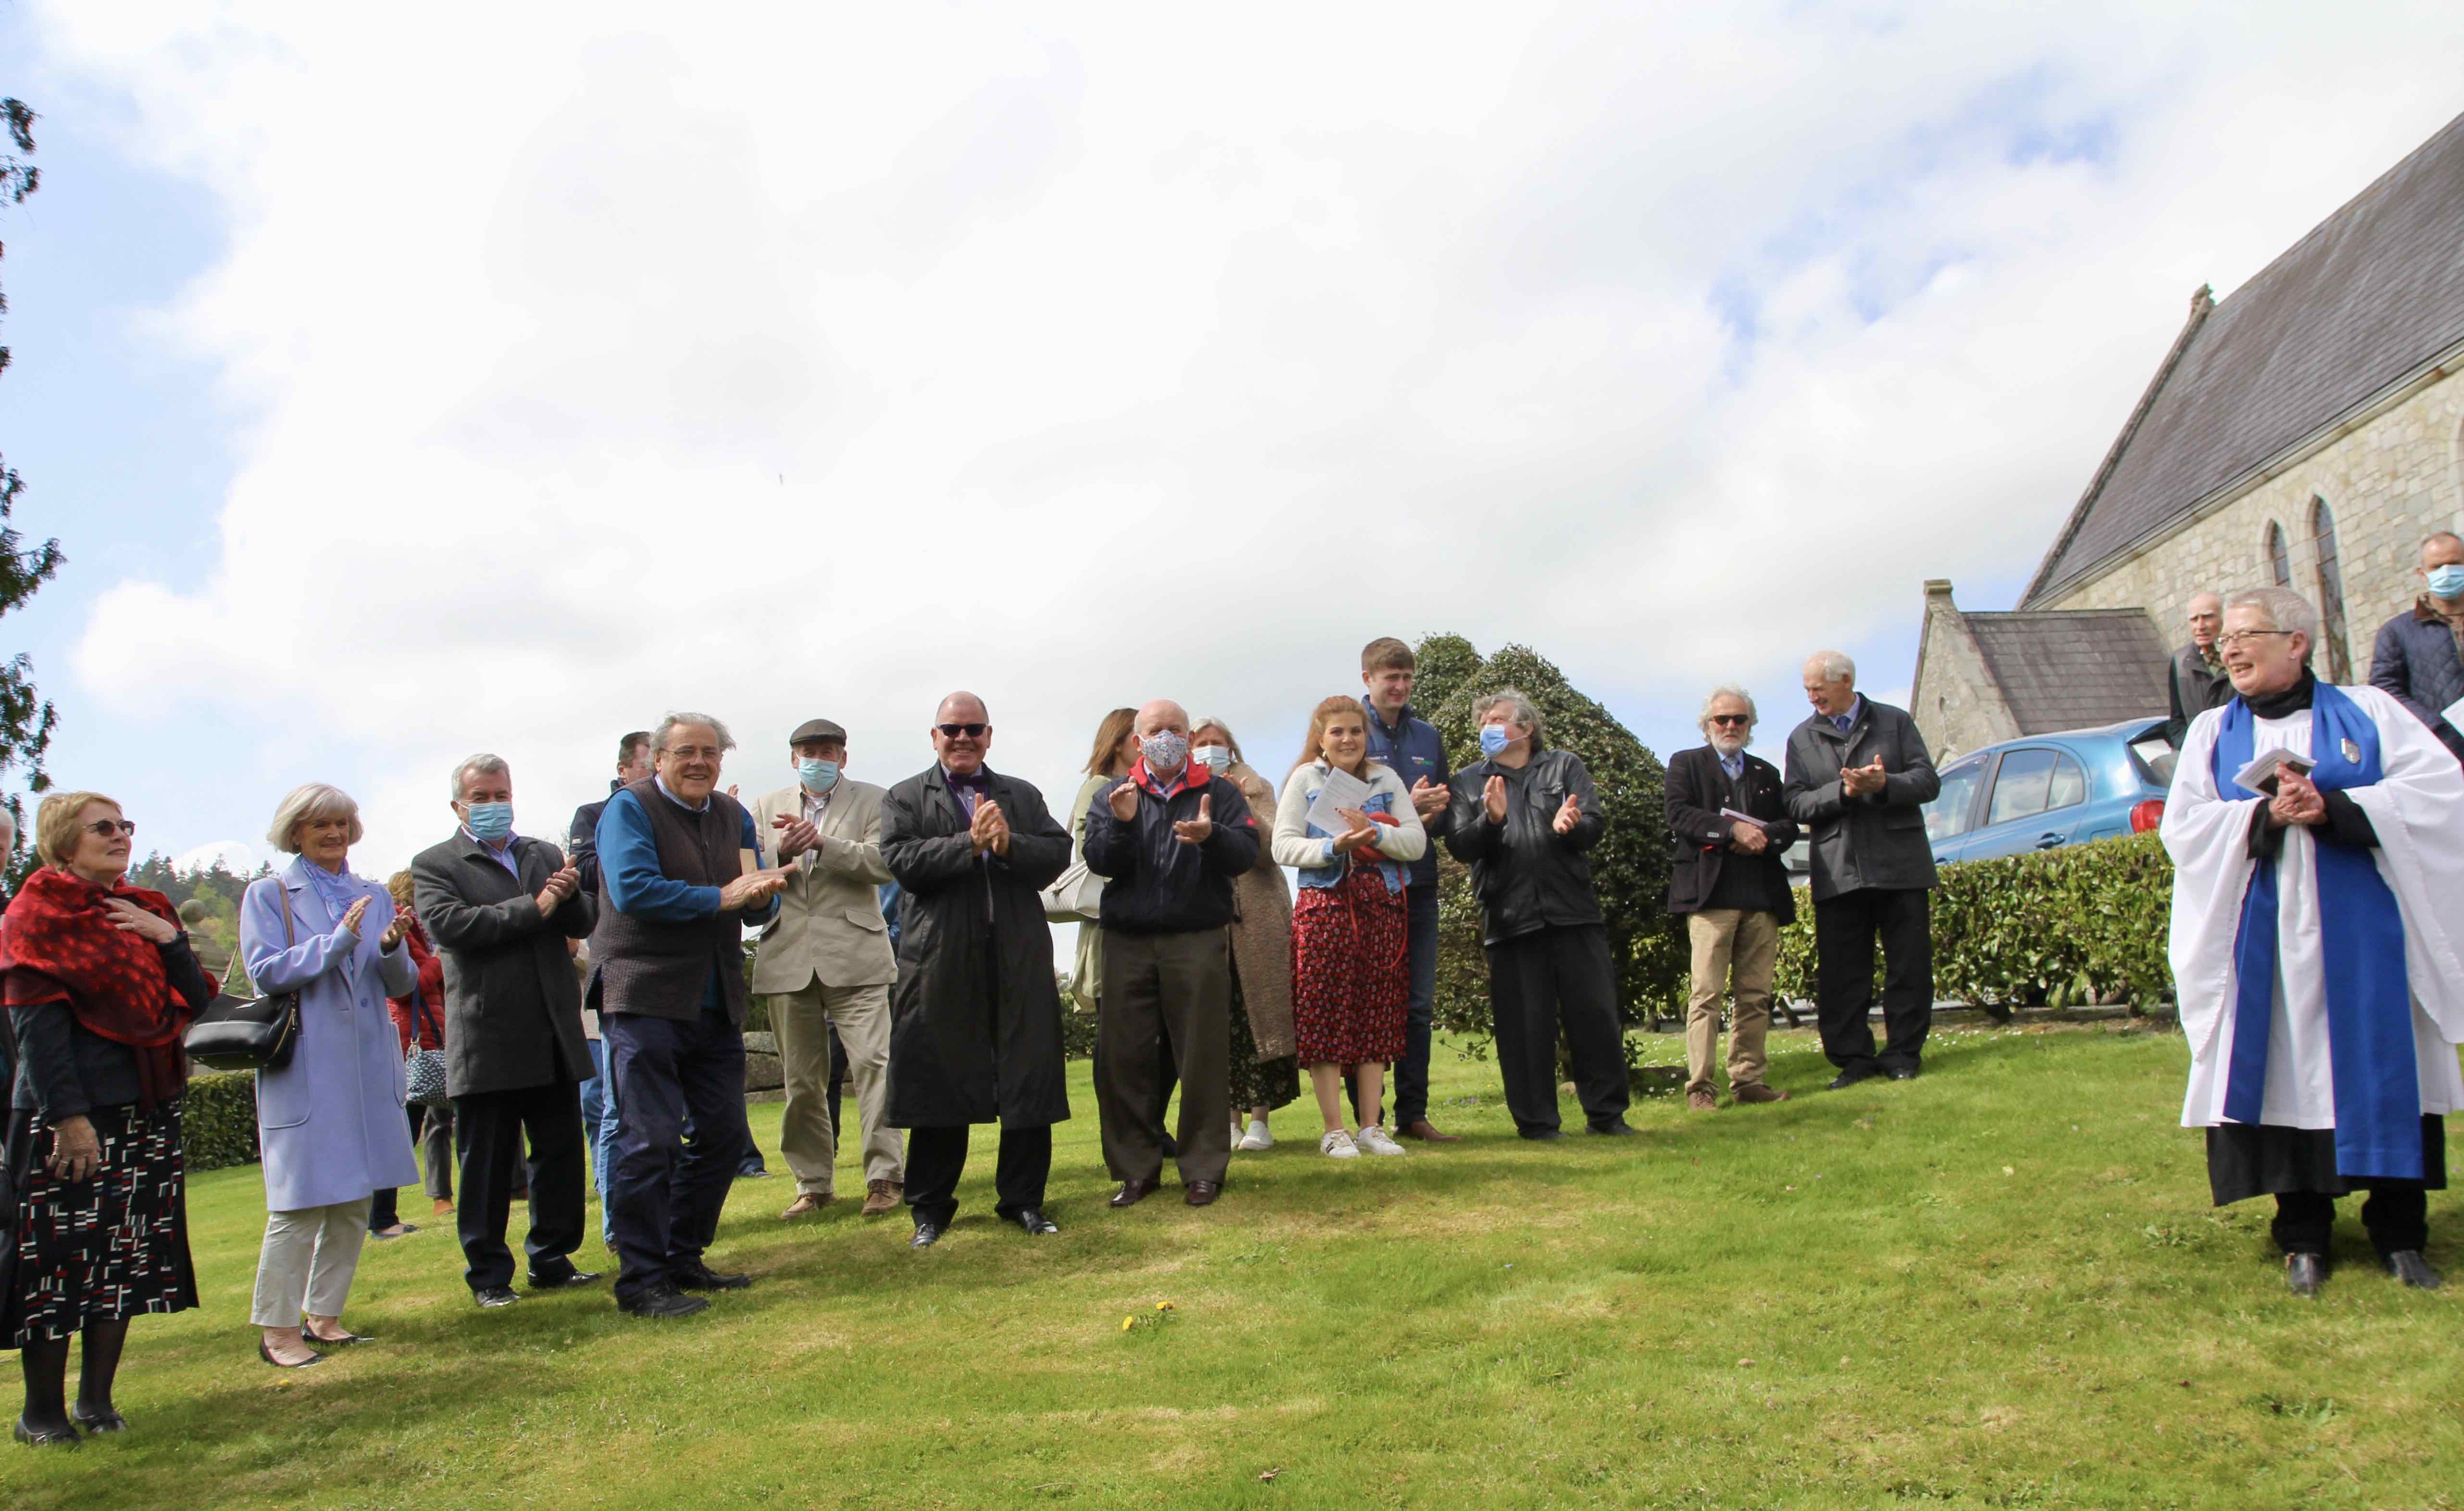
{"x":2365,"y":855}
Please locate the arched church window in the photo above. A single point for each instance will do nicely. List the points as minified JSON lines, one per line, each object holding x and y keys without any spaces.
{"x":2279,"y":563}
{"x":2331,"y":592}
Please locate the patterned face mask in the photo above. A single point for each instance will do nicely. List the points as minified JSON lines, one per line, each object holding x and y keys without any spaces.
{"x":1165,"y":751}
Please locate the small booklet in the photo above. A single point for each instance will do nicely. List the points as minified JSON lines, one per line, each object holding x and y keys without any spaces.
{"x":2259,"y":775}
{"x":1745,"y":818}
{"x":1342,"y":790}
{"x":748,"y":861}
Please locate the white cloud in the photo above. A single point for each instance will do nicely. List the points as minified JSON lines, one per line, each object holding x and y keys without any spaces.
{"x":612,"y":357}
{"x":237,"y":856}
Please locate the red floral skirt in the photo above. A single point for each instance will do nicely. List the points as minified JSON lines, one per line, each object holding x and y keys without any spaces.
{"x":1352,"y":975}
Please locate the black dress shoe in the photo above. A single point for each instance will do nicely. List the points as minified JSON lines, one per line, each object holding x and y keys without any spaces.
{"x":577,"y":1278}
{"x":107,"y":1420}
{"x":702,"y":1278}
{"x":1034,"y":1221}
{"x":927,"y":1234}
{"x":1541,"y":1135}
{"x":1901,"y":1072}
{"x":1854,"y":1074}
{"x":267,"y":1354}
{"x":663,"y":1301}
{"x":322,"y":1342}
{"x":2305,"y":1273}
{"x":2410,"y":1267}
{"x":494,"y":1296}
{"x":1201,"y":1192}
{"x":1621,"y":1128}
{"x":1133,"y":1191}
{"x":46,"y":1436}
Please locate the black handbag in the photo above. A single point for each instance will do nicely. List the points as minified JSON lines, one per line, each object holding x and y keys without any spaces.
{"x":249,"y":1033}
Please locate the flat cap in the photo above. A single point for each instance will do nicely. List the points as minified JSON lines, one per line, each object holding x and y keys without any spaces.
{"x":816,"y":729}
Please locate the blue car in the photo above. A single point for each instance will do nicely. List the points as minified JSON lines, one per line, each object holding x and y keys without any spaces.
{"x":2045,"y":791}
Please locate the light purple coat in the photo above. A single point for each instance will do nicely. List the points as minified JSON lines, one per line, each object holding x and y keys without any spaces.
{"x":330,"y":1123}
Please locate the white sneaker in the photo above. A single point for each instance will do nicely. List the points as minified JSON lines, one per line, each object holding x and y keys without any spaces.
{"x":1338,"y":1144}
{"x":1256,"y":1141}
{"x":1374,"y":1139}
{"x":1237,"y":1131}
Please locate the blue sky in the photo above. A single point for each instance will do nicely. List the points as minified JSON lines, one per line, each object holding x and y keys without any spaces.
{"x":377,"y":386}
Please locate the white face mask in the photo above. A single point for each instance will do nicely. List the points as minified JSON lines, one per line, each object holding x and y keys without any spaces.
{"x":1217,"y":758}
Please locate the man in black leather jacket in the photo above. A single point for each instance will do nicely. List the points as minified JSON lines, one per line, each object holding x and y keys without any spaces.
{"x":1521,"y":817}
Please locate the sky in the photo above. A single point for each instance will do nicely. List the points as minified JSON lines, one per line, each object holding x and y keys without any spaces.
{"x":403,"y":385}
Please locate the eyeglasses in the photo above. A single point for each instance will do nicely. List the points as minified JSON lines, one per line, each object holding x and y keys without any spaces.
{"x":2243,"y":637}
{"x":951,"y":731}
{"x":696,"y":752}
{"x":105,"y":828}
{"x":1732,"y":718}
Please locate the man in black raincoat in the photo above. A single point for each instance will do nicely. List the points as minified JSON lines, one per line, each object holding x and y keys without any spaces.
{"x":975,"y":1019}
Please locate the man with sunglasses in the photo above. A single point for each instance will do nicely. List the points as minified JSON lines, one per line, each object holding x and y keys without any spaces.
{"x":1729,"y":885}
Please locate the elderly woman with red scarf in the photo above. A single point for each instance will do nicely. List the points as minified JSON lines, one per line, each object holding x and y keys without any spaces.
{"x":99,"y":983}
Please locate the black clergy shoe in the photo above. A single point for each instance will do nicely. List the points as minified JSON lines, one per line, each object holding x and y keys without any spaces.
{"x":927,"y":1234}
{"x":572,"y":1281}
{"x":662,"y":1301}
{"x":1201,"y":1192}
{"x":492,"y":1296}
{"x":46,"y":1436}
{"x":1133,"y":1191}
{"x":1034,"y":1221}
{"x":2305,"y":1273}
{"x":1621,"y":1128}
{"x":107,"y":1420}
{"x":1901,"y":1072}
{"x":1852,"y":1075}
{"x":2410,"y":1267}
{"x":702,"y":1278}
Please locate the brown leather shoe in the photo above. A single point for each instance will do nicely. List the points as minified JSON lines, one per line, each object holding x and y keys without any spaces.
{"x":805,"y":1204}
{"x":1756,"y":1091}
{"x":443,"y":1206}
{"x":882,"y":1197}
{"x":1201,"y":1192}
{"x":1700,"y":1099}
{"x":1133,"y":1191}
{"x":1423,"y":1128}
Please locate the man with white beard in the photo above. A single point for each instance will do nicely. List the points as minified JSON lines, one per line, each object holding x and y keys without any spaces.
{"x":2318,"y":916}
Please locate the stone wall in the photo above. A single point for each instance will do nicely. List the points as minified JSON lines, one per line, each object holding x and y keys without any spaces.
{"x":2388,"y":484}
{"x":1954,"y":701}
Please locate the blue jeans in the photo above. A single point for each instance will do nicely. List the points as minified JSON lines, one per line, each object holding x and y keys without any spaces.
{"x":599,"y":1126}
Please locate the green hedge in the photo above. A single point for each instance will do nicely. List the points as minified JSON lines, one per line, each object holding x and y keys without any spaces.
{"x":2079,"y":925}
{"x":218,"y":1120}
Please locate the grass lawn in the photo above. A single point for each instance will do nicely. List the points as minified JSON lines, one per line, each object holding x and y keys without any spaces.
{"x":1998,"y":1286}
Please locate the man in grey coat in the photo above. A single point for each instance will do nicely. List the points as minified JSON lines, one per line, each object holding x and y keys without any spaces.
{"x":2419,"y":657}
{"x":501,"y":907}
{"x":1859,"y":777}
{"x":2197,"y":681}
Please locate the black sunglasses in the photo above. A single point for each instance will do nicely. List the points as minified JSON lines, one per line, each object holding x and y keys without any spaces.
{"x":951,"y":731}
{"x":1732,"y":718}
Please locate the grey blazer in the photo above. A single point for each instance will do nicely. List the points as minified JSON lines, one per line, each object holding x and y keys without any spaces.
{"x":513,"y":1001}
{"x":1875,"y":841}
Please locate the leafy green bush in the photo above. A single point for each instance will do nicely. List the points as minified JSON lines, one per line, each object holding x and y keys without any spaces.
{"x":1629,"y":865}
{"x":218,"y":1120}
{"x":2082,"y":924}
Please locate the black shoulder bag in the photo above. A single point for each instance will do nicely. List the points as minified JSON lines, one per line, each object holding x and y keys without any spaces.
{"x":249,"y":1033}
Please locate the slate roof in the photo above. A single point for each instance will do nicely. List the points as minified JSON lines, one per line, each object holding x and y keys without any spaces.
{"x":2355,"y":307}
{"x":2074,"y":668}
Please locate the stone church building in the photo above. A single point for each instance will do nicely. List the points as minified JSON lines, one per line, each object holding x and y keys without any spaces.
{"x":2305,"y":432}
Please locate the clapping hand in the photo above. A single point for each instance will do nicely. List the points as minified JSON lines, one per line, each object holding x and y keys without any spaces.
{"x":1429,"y":798}
{"x":1195,"y":831}
{"x":1492,"y":798}
{"x":1124,"y":800}
{"x":352,"y":915}
{"x":1858,"y":782}
{"x":1748,"y":838}
{"x":990,"y":828}
{"x":130,"y":918}
{"x":751,"y":888}
{"x":2296,"y":801}
{"x":795,"y":835}
{"x":560,"y":886}
{"x":394,"y":931}
{"x":1569,"y":814}
{"x":1358,"y":833}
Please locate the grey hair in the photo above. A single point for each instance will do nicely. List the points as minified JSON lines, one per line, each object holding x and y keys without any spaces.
{"x":482,"y":764}
{"x":307,"y":803}
{"x":668,"y":723}
{"x":1726,"y":690}
{"x":2285,"y":609}
{"x":1519,"y":710}
{"x":1835,"y":664}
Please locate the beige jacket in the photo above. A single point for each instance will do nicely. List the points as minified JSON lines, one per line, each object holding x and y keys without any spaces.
{"x":830,"y":923}
{"x":1261,"y":930}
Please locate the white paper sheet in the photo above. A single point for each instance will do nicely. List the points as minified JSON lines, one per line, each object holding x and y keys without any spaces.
{"x":1745,"y":818}
{"x":2454,"y":714}
{"x":2259,"y":775}
{"x":1342,"y":790}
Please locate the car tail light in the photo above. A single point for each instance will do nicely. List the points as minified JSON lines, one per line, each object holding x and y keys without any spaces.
{"x":2146,"y":816}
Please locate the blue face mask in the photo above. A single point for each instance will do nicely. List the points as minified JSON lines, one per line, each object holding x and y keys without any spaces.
{"x":1493,"y":738}
{"x":2446,"y":581}
{"x":490,"y":820}
{"x":816,"y":774}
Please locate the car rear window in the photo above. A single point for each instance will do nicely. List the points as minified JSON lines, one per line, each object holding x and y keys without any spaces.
{"x":2152,"y":753}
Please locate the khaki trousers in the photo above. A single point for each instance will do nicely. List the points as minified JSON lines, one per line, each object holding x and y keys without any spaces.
{"x":307,"y":1262}
{"x":1732,"y":946}
{"x":803,"y":1020}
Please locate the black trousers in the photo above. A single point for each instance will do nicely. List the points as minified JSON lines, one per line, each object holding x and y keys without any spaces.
{"x":1172,"y":991}
{"x":2396,"y":1215}
{"x":1538,"y":982}
{"x":936,"y":1157}
{"x":489,"y":1130}
{"x":667,"y":1192}
{"x":1846,"y":928}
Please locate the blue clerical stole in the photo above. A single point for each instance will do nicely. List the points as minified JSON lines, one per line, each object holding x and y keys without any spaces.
{"x":2376,"y":1080}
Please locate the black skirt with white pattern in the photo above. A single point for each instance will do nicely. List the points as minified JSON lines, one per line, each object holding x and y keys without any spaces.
{"x":100,"y":1249}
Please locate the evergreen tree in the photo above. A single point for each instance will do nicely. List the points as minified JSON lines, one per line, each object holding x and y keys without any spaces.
{"x":26,"y":716}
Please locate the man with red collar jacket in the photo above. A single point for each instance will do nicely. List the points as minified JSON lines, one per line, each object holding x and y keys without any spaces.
{"x":1171,"y":838}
